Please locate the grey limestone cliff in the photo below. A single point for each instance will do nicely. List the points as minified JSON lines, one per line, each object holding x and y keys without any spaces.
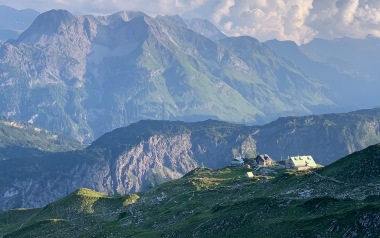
{"x":83,"y":76}
{"x":147,"y":153}
{"x":126,"y":160}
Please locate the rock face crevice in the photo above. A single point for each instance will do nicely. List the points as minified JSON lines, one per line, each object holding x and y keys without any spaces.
{"x":157,"y":159}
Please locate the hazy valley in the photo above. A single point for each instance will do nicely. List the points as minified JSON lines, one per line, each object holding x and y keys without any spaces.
{"x":125,"y":125}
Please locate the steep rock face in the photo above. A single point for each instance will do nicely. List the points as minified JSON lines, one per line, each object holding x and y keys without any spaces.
{"x":43,"y":73}
{"x":151,"y":162}
{"x":85,"y":75}
{"x":116,"y":165}
{"x":147,"y":153}
{"x":326,"y":137}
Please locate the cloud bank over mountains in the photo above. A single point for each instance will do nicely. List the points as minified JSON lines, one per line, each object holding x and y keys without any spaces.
{"x":297,"y":20}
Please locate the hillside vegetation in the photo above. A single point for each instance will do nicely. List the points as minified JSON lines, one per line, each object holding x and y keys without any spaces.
{"x":212,"y":203}
{"x":148,"y":153}
{"x":18,"y":140}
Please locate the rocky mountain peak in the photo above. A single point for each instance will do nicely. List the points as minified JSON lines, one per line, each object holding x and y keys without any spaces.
{"x":111,"y":71}
{"x":205,"y":28}
{"x":287,"y":45}
{"x":119,"y":17}
{"x":48,"y":23}
{"x":243,"y":41}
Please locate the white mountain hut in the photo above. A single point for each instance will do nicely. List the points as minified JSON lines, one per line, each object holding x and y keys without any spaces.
{"x":301,"y":162}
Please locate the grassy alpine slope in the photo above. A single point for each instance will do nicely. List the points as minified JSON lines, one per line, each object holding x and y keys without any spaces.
{"x":325,"y":202}
{"x":147,"y":153}
{"x":19,"y":139}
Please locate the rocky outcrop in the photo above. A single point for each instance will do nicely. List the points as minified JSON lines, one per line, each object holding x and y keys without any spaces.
{"x":325,"y":137}
{"x":147,"y":153}
{"x":123,"y":161}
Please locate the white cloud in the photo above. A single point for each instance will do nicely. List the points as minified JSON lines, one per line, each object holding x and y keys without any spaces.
{"x":222,"y":10}
{"x":265,"y":19}
{"x":297,"y":20}
{"x":338,"y":18}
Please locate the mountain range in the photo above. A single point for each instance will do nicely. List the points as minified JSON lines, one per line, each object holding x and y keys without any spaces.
{"x":147,"y":153}
{"x":67,"y":82}
{"x":13,"y":21}
{"x":83,"y":76}
{"x":346,"y":66}
{"x":339,"y":200}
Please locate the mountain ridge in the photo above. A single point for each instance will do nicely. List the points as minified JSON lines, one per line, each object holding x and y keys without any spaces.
{"x":147,"y":153}
{"x":13,"y":21}
{"x":344,"y":65}
{"x":18,"y":139}
{"x":210,"y":203}
{"x":107,"y":72}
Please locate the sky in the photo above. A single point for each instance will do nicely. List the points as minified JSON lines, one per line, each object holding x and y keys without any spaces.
{"x":296,"y":20}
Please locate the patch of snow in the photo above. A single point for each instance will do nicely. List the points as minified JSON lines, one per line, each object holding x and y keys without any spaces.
{"x":31,"y":120}
{"x":10,"y":193}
